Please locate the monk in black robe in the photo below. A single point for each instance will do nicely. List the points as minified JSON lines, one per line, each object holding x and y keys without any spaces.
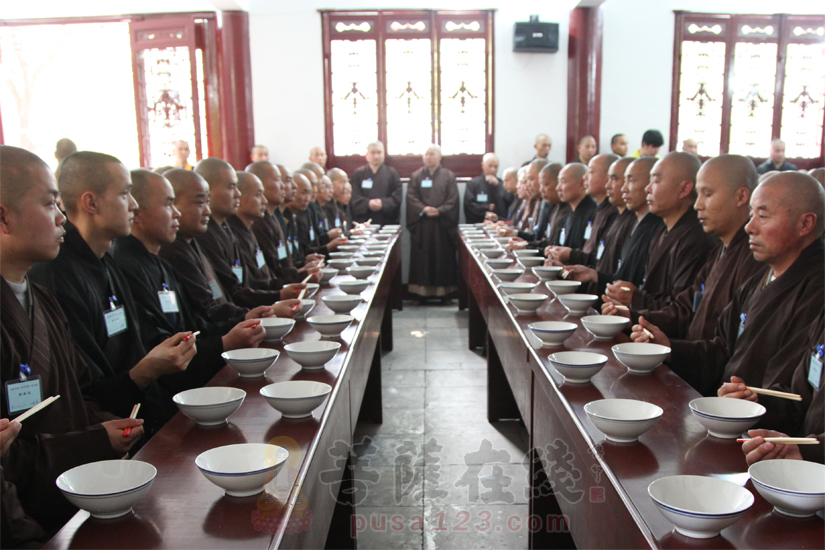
{"x":96,"y":298}
{"x":37,"y":354}
{"x":545,"y":177}
{"x":376,"y":190}
{"x":724,"y":186}
{"x":579,"y":223}
{"x":768,"y":319}
{"x":432,"y":218}
{"x":485,"y":193}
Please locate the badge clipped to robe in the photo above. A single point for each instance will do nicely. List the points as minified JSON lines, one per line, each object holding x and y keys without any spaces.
{"x":217,"y":293}
{"x":600,"y":250}
{"x":548,"y":230}
{"x":562,"y":236}
{"x":815,"y":370}
{"x":259,"y":257}
{"x":337,"y":221}
{"x":742,"y":319}
{"x":427,"y":183}
{"x":25,"y":393}
{"x":281,"y":250}
{"x":697,"y":299}
{"x":115,"y":318}
{"x":311,"y":233}
{"x":168,"y":300}
{"x":237,"y":271}
{"x":588,"y":230}
{"x":366,"y":184}
{"x":481,"y":197}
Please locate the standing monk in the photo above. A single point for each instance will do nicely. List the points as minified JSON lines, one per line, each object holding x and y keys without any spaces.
{"x":432,"y":217}
{"x":376,"y":190}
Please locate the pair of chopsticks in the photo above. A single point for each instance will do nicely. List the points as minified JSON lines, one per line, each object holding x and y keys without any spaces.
{"x":774,"y":393}
{"x":193,"y":335}
{"x":787,"y":440}
{"x":39,"y":407}
{"x":134,"y":414}
{"x":304,"y":290}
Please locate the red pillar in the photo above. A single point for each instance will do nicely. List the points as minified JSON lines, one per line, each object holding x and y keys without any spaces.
{"x":235,"y":74}
{"x":584,"y":77}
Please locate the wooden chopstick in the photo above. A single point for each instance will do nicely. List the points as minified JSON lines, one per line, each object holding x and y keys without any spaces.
{"x":304,"y":290}
{"x":40,"y":406}
{"x":774,"y":393}
{"x":193,"y":335}
{"x":649,"y":334}
{"x":135,"y":409}
{"x":787,"y":440}
{"x":622,"y":307}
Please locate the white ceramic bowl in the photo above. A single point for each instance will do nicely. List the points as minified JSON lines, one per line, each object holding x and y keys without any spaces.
{"x":516,"y":288}
{"x":341,"y":264}
{"x":382,"y":236}
{"x":349,"y":247}
{"x":368,"y":262}
{"x":794,"y":487}
{"x":209,"y":406}
{"x":312,"y":355}
{"x":503,"y":263}
{"x":340,"y":255}
{"x":699,"y":506}
{"x":526,"y":252}
{"x":560,"y":288}
{"x":296,"y":398}
{"x":376,"y":247}
{"x":251,"y":362}
{"x":577,"y":304}
{"x":393,"y":226}
{"x":243,"y":469}
{"x":372,"y":254}
{"x":276,"y":327}
{"x":108,"y":488}
{"x":493,"y":253}
{"x":527,"y":303}
{"x":342,"y":303}
{"x":547,"y":272}
{"x":578,"y":367}
{"x":508,"y":275}
{"x":306,"y":307}
{"x":354,"y":287}
{"x":361,"y":272}
{"x":487,"y":245}
{"x":328,"y":273}
{"x":552,"y":333}
{"x":623,"y":420}
{"x":530,"y":262}
{"x":605,"y":327}
{"x":724,"y":417}
{"x":502,"y":240}
{"x":330,"y":326}
{"x":312,"y":290}
{"x":640,"y":357}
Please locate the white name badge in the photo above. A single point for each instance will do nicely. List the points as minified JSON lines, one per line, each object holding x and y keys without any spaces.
{"x":259,"y":258}
{"x":481,"y":197}
{"x":238,"y":272}
{"x":22,"y":396}
{"x":168,"y":301}
{"x":815,"y":372}
{"x":337,"y":221}
{"x":588,"y":230}
{"x":217,"y":293}
{"x":427,"y":183}
{"x":366,"y":184}
{"x":326,"y":224}
{"x":562,"y":236}
{"x":311,"y":234}
{"x":115,"y":321}
{"x":600,"y":251}
{"x":281,"y":252}
{"x":548,"y":230}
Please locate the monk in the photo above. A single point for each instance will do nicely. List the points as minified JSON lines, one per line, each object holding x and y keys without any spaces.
{"x":326,"y":220}
{"x":181,"y":154}
{"x":543,"y":230}
{"x":259,"y":153}
{"x":595,"y":184}
{"x":542,"y":146}
{"x":432,"y":217}
{"x":162,"y":303}
{"x":586,"y":149}
{"x":319,"y":156}
{"x":681,"y":248}
{"x":96,"y":298}
{"x":768,"y":319}
{"x":307,"y":235}
{"x":606,"y":257}
{"x":34,"y":342}
{"x":376,"y":189}
{"x":618,"y":144}
{"x":578,"y":225}
{"x":631,"y":264}
{"x":724,"y":185}
{"x":220,"y":245}
{"x":484,"y":192}
{"x":509,"y":179}
{"x":339,"y":207}
{"x":530,"y":192}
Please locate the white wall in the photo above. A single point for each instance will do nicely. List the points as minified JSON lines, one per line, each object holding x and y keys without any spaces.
{"x":637,"y":59}
{"x":287,"y":78}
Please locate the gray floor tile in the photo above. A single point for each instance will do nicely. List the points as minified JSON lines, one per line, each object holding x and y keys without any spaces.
{"x":442,"y":342}
{"x":468,"y":417}
{"x":407,"y":325}
{"x":445,"y":312}
{"x":457,"y":378}
{"x":475,"y":485}
{"x":404,"y":361}
{"x":389,"y":527}
{"x":462,"y":355}
{"x":475,"y":366}
{"x":459,"y":527}
{"x":505,"y":442}
{"x":403,"y":378}
{"x":397,"y":421}
{"x":403,"y":345}
{"x":446,"y":322}
{"x":389,"y":485}
{"x":383,"y":450}
{"x":402,"y":397}
{"x":440,"y":396}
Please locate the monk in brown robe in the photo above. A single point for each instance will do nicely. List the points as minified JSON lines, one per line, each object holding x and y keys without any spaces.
{"x":432,"y":218}
{"x":724,"y":186}
{"x":607,"y":254}
{"x":376,"y":189}
{"x":768,"y":319}
{"x":530,"y":192}
{"x":681,"y":248}
{"x":34,"y":342}
{"x":543,"y":231}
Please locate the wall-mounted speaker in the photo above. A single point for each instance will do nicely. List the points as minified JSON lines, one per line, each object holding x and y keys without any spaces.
{"x":534,"y":36}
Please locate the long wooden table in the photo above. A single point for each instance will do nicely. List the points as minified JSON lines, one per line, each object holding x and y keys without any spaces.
{"x":307,"y":505}
{"x":600,"y":487}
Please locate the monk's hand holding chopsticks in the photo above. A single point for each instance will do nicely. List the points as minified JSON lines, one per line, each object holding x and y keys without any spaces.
{"x":736,"y":389}
{"x":609,"y":307}
{"x":758,"y":448}
{"x":286,"y":309}
{"x":645,"y":331}
{"x":120,"y":441}
{"x":246,"y":334}
{"x":8,"y":432}
{"x":621,"y":292}
{"x":293,"y":290}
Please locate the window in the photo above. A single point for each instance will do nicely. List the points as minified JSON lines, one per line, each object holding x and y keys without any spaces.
{"x":742,"y":80}
{"x":409,"y":79}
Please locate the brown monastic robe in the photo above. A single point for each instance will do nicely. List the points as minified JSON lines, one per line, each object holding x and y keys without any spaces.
{"x":674,"y":259}
{"x":604,"y":217}
{"x":557,"y":221}
{"x":614,"y":241}
{"x":432,"y":240}
{"x":777,"y":319}
{"x":68,"y":432}
{"x":726,"y":270}
{"x":259,"y":276}
{"x":270,"y":236}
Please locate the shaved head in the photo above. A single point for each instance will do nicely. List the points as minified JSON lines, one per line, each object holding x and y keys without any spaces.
{"x":186,"y":182}
{"x":311,"y":176}
{"x":603,"y":162}
{"x":819,"y":175}
{"x":85,"y":171}
{"x":17,"y":169}
{"x":336,"y":175}
{"x":552,"y":170}
{"x":64,"y":148}
{"x":263,"y":169}
{"x":247,"y":181}
{"x":737,"y":171}
{"x":313,"y":167}
{"x":801,"y":194}
{"x":143,"y":184}
{"x":212,"y":168}
{"x":575,"y":170}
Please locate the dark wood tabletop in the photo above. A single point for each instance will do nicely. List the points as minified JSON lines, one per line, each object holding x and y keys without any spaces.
{"x":298,"y":509}
{"x":601,"y":486}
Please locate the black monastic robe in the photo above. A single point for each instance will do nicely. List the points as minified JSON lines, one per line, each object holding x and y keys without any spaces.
{"x":272,"y":240}
{"x":574,"y":232}
{"x":631,"y":264}
{"x":479,"y":188}
{"x":386,"y":185}
{"x":614,"y":241}
{"x":603,"y":218}
{"x":251,"y":253}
